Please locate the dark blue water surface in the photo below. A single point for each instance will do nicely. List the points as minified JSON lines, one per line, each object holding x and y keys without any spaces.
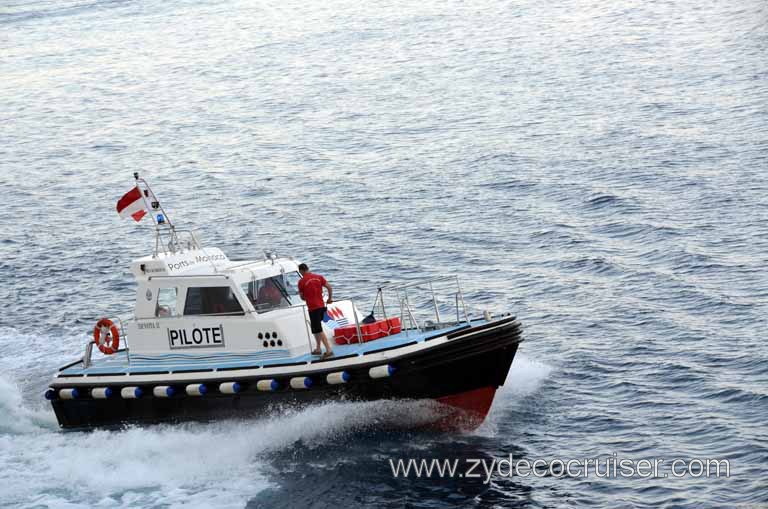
{"x":597,"y":168}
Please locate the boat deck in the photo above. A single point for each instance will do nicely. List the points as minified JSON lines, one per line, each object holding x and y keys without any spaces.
{"x":124,"y":363}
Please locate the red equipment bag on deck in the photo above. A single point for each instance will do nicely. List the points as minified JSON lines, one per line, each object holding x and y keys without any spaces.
{"x":393,"y":325}
{"x":370,"y":331}
{"x":345,"y":335}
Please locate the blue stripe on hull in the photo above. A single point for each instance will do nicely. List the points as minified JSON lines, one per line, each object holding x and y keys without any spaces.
{"x":143,"y":363}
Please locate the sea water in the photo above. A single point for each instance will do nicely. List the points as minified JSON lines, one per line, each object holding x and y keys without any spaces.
{"x":597,"y":169}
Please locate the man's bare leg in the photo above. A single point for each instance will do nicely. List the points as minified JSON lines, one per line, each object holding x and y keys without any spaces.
{"x":320,"y":336}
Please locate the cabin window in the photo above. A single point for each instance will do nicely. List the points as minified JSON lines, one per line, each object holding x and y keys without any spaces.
{"x":266,"y":294}
{"x":166,"y":302}
{"x":291,"y":280}
{"x":212,"y":300}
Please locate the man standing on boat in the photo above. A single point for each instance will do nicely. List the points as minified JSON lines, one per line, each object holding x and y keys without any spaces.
{"x":311,"y":291}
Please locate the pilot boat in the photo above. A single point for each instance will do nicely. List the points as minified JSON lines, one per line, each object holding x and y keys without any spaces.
{"x":206,"y":341}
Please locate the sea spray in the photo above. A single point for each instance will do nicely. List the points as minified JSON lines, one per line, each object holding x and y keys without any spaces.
{"x":16,"y":418}
{"x":524,"y":379}
{"x":219,"y":462}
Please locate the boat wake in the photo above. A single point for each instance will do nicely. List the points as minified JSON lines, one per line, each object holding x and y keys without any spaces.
{"x":194,"y":464}
{"x":16,"y":418}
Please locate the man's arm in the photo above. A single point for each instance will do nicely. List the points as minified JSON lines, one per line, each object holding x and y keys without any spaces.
{"x":330,"y":293}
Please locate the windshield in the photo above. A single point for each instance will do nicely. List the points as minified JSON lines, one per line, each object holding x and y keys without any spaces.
{"x":269,"y":293}
{"x":291,"y":284}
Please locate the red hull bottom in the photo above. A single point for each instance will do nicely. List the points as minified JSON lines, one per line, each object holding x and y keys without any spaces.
{"x":470,"y":409}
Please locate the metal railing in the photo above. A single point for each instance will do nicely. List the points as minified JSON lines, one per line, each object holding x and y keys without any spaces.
{"x":407,"y":313}
{"x":121,"y":327}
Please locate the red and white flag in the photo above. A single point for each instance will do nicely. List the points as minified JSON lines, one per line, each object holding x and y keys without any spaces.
{"x":132,"y":205}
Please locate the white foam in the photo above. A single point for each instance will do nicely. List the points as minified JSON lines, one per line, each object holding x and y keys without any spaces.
{"x":16,"y":418}
{"x":24,"y":352}
{"x":192,"y":464}
{"x":524,"y":379}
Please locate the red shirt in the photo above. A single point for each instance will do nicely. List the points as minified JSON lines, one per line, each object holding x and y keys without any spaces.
{"x":311,"y":287}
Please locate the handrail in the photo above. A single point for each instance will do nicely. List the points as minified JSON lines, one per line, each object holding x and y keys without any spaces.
{"x":406,"y":309}
{"x":227,"y":313}
{"x":86,"y":359}
{"x":421,"y":282}
{"x":245,"y":264}
{"x":177,"y":276}
{"x":193,"y":242}
{"x":304,"y":315}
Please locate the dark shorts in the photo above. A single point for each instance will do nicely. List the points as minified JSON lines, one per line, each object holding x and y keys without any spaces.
{"x":316,"y":320}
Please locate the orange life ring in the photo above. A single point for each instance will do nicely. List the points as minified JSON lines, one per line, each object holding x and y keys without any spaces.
{"x":101,"y":336}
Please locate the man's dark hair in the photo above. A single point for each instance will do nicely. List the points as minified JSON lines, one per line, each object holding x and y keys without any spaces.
{"x":303,"y":266}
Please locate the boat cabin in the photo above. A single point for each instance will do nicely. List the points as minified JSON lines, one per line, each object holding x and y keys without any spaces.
{"x":197,"y":301}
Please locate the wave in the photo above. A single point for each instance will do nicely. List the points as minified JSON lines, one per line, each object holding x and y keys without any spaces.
{"x":602,"y":200}
{"x":15,"y":417}
{"x":28,"y":11}
{"x":193,"y":464}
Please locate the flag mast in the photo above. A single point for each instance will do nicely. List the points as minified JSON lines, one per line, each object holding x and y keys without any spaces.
{"x":163,"y":224}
